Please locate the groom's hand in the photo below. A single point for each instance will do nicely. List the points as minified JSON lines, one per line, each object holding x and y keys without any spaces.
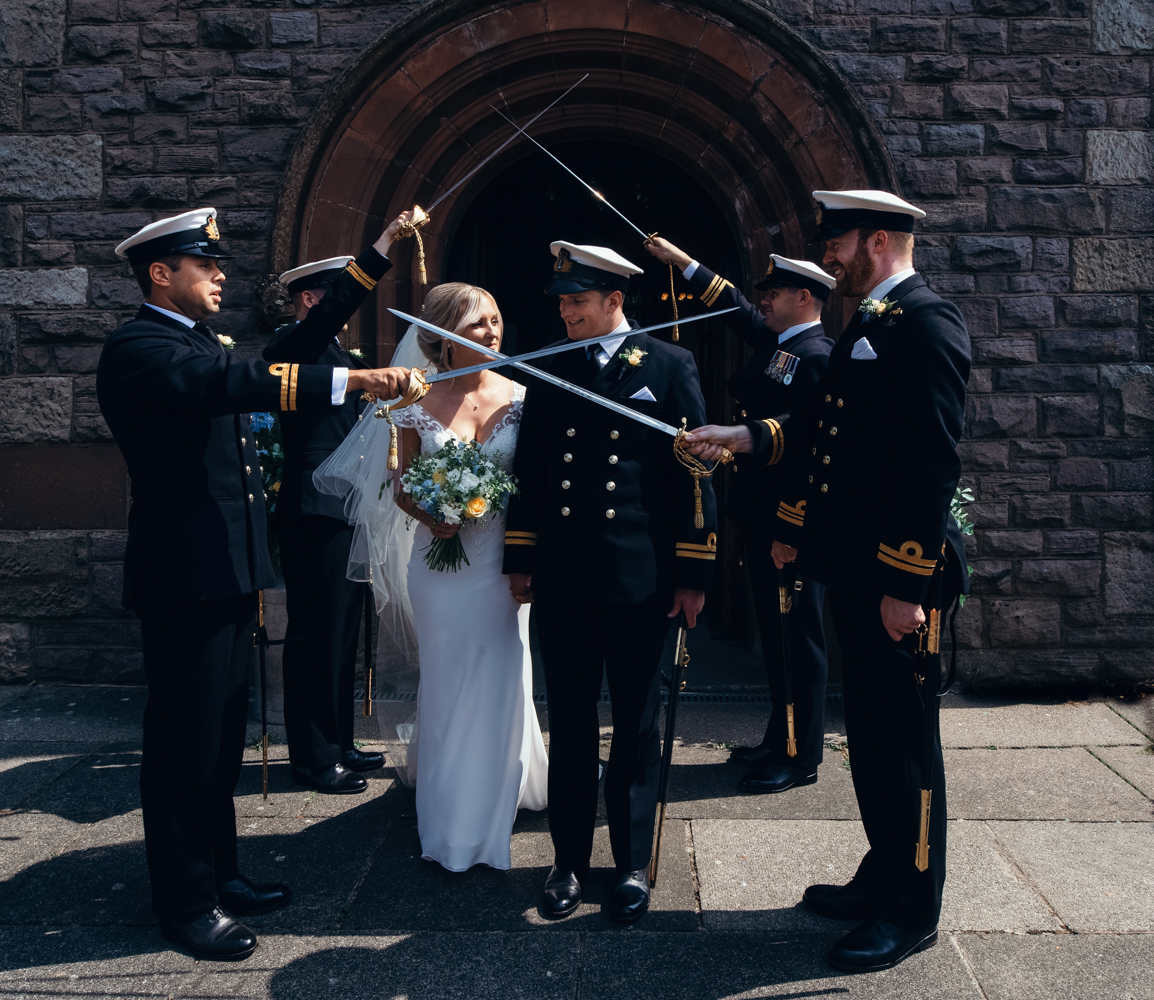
{"x":689,"y":601}
{"x":384,"y":383}
{"x":710,"y":442}
{"x":519,"y":588}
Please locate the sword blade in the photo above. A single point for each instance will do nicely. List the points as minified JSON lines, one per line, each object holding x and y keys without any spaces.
{"x":505,"y":359}
{"x":429,"y":210}
{"x":545,"y":352}
{"x":592,"y":190}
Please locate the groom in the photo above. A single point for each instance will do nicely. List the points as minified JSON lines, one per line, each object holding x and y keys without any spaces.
{"x":602,"y":539}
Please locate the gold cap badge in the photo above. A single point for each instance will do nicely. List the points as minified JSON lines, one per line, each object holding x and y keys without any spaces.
{"x":817,"y":214}
{"x":210,"y":229}
{"x":564,"y":262}
{"x":769,"y":270}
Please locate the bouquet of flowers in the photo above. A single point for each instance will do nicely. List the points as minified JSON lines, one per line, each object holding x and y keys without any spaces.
{"x":270,"y":451}
{"x":456,"y":484}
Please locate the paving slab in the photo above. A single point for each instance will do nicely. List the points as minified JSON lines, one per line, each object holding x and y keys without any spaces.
{"x":984,"y":890}
{"x":104,"y":784}
{"x":101,"y":879}
{"x":81,"y":712}
{"x":404,"y":892}
{"x":1097,"y":876}
{"x":285,"y":799}
{"x":1040,"y":784}
{"x":1138,"y":710}
{"x":1061,"y":966}
{"x":702,"y":784}
{"x":982,"y":722}
{"x":26,"y":768}
{"x":1135,"y":764}
{"x":28,"y":837}
{"x":710,"y":966}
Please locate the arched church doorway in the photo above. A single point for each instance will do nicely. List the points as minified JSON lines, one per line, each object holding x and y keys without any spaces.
{"x":710,"y":122}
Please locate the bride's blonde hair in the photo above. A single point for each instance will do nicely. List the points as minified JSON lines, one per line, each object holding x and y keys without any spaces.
{"x":452,"y":306}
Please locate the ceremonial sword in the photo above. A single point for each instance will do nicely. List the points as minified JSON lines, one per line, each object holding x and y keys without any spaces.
{"x":676,"y":682}
{"x":785,"y":606}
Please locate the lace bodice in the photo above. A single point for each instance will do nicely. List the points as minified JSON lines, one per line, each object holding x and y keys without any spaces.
{"x":434,"y":434}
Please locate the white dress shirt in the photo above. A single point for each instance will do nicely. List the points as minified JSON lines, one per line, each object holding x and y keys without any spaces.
{"x":690,"y":271}
{"x":604,"y":349}
{"x":883,"y":289}
{"x":340,"y":375}
{"x":793,"y":331}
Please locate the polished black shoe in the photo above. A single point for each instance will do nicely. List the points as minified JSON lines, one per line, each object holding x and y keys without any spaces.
{"x":877,"y":945}
{"x":750,"y":756}
{"x":335,"y":780}
{"x":242,"y":897}
{"x":770,"y":778}
{"x":629,"y":897}
{"x":354,"y":760}
{"x":214,"y":935}
{"x":839,"y":902}
{"x":562,"y":893}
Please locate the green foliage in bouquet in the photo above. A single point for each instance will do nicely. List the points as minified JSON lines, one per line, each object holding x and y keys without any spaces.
{"x":962,"y":497}
{"x":270,"y":451}
{"x":456,"y":484}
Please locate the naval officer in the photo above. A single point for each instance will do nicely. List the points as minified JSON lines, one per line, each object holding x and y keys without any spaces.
{"x":870,"y":515}
{"x":603,"y":537}
{"x":324,"y":605}
{"x":177,"y":404}
{"x":790,"y":353}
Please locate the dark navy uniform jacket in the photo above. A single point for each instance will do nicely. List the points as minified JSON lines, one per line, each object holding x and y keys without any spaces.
{"x":755,"y":489}
{"x":177,"y":404}
{"x":870,"y":504}
{"x":606,"y":514}
{"x":311,"y":436}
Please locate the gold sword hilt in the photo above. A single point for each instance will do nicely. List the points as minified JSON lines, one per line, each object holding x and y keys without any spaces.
{"x":922,"y":856}
{"x":790,"y":740}
{"x":784,"y":600}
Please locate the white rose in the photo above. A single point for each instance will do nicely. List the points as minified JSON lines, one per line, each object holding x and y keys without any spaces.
{"x":452,"y":514}
{"x":467,"y":481}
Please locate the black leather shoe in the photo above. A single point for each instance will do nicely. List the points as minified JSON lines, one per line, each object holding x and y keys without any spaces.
{"x":629,"y":897}
{"x":354,"y":760}
{"x":839,"y":902}
{"x":243,"y":897}
{"x":562,"y":893}
{"x":335,"y":780}
{"x":770,"y":778}
{"x":751,"y":756}
{"x":877,"y":945}
{"x":213,"y":935}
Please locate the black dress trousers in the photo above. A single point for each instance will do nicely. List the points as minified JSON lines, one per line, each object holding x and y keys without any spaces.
{"x":196,"y":661}
{"x":885,"y":728}
{"x":320,"y":654}
{"x":622,"y":642}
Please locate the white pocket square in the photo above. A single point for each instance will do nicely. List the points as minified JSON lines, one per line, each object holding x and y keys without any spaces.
{"x":644,"y":393}
{"x":863,"y":352}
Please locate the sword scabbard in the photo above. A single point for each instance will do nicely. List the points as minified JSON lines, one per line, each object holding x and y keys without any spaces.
{"x":922,"y":857}
{"x":658,"y":824}
{"x":791,"y":739}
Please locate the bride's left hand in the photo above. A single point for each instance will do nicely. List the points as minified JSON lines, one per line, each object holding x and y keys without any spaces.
{"x":442,"y":529}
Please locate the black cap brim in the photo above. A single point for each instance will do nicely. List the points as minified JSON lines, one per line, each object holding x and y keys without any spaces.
{"x":781,"y":278}
{"x":191,"y":242}
{"x":318,"y":279}
{"x":838,"y":221}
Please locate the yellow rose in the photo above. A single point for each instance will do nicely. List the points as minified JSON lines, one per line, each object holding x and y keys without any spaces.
{"x":476,"y":507}
{"x":439,"y":477}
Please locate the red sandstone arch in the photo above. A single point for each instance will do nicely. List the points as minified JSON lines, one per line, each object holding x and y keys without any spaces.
{"x":722,"y":88}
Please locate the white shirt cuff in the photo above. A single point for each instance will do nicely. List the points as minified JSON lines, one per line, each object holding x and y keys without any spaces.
{"x":690,"y":270}
{"x":340,"y":386}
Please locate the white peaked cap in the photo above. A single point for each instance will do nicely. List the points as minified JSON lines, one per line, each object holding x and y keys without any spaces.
{"x":804,"y":268}
{"x":332,"y":263}
{"x":197,"y":219}
{"x":874,"y":201}
{"x":601,"y":258}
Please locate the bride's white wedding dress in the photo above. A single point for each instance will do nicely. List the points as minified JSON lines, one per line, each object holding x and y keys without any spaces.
{"x":477,"y":739}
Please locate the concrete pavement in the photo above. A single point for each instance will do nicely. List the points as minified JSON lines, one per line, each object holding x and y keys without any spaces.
{"x":1050,"y":892}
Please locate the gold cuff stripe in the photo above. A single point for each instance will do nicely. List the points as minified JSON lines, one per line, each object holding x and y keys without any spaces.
{"x":520,"y":534}
{"x":778,"y":441}
{"x":360,"y":275}
{"x":796,"y":522}
{"x":292,"y":390}
{"x":794,"y":515}
{"x":908,"y":552}
{"x":695,"y":547}
{"x":282,"y":372}
{"x":520,"y":541}
{"x":716,"y":287}
{"x":708,"y":556}
{"x":919,"y":570}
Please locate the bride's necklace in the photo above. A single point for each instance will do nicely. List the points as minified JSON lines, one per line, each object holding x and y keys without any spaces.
{"x":466,"y":396}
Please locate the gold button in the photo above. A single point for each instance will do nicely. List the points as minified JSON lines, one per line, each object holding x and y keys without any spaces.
{"x":611,"y":513}
{"x":568,"y":456}
{"x":564,"y":511}
{"x":824,"y":488}
{"x":811,"y":479}
{"x":828,"y":398}
{"x":841,"y":403}
{"x":743,"y":413}
{"x":243,"y":442}
{"x":564,"y":484}
{"x":825,"y":460}
{"x":248,"y":470}
{"x":833,"y":432}
{"x":611,"y":485}
{"x":250,"y":498}
{"x":612,"y":459}
{"x":815,"y":451}
{"x":819,"y":423}
{"x":614,"y":435}
{"x":571,"y":431}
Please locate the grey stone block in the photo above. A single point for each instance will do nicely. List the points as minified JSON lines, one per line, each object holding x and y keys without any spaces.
{"x":32,"y":32}
{"x":1083,"y":77}
{"x":1066,"y":416}
{"x":150,"y":192}
{"x":1087,"y":345}
{"x":232,"y":29}
{"x":1049,"y":108}
{"x":906,"y":34}
{"x":1122,"y":27}
{"x":977,"y":34}
{"x":1133,"y":475}
{"x":1061,"y":577}
{"x":1096,"y":875}
{"x":1131,"y":210}
{"x":1129,"y":401}
{"x":15,"y":654}
{"x":1021,"y":623}
{"x":1000,"y":416}
{"x":1118,"y":157}
{"x":169,"y":34}
{"x":182,"y":95}
{"x":984,"y":455}
{"x":89,"y":79}
{"x":1006,"y":70}
{"x":37,"y":410}
{"x":50,"y":168}
{"x":1064,"y":170}
{"x":1081,"y":474}
{"x":1129,"y":572}
{"x":981,"y":101}
{"x":1036,"y":311}
{"x":1099,"y":310}
{"x":248,"y":149}
{"x":988,"y":253}
{"x":978,"y":722}
{"x":1052,"y":210}
{"x":936,"y":67}
{"x":1083,"y":112}
{"x":293,"y":28}
{"x":916,"y":102}
{"x":954,"y":140}
{"x":1125,"y":511}
{"x":1049,"y":36}
{"x":1072,"y":543}
{"x":114,"y":42}
{"x":265,"y":64}
{"x":864,"y":69}
{"x":1047,"y":378}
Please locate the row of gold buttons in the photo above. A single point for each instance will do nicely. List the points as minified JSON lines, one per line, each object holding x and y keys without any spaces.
{"x":610,"y":513}
{"x":572,"y":432}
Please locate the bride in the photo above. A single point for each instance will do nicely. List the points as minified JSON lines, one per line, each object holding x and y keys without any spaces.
{"x":481,"y":755}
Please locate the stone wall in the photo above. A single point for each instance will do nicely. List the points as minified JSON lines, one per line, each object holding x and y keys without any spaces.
{"x":1023,"y":126}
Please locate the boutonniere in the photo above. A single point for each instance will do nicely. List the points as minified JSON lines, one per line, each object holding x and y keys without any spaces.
{"x":633,"y":357}
{"x":356,"y":352}
{"x":875,"y":309}
{"x":227,"y":342}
